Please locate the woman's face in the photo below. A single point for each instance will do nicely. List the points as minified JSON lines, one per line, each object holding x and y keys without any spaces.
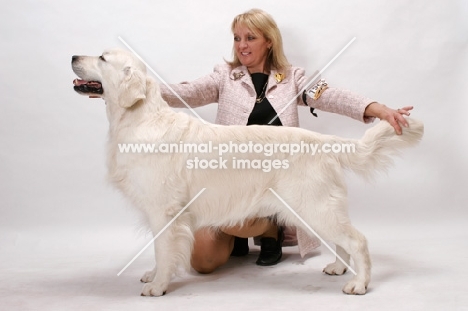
{"x":251,"y":48}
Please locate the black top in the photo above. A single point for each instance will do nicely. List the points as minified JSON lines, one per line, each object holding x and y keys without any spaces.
{"x":263,"y":112}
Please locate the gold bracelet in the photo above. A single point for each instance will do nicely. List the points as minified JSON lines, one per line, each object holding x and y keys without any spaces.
{"x":316,"y":91}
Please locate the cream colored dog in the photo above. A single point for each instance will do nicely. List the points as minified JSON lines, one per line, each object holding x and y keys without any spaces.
{"x":161,"y":184}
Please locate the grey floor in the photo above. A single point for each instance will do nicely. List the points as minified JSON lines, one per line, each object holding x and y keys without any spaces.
{"x":417,"y":267}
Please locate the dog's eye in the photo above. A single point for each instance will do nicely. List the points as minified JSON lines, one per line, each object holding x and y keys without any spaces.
{"x":102,"y":58}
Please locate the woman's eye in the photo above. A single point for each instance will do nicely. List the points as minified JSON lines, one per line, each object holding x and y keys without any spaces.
{"x":236,"y":39}
{"x":250,"y":38}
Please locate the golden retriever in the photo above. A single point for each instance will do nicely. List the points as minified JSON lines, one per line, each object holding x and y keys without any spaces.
{"x":238,"y":180}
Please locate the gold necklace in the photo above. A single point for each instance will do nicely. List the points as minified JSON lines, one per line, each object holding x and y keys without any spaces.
{"x":262,"y":94}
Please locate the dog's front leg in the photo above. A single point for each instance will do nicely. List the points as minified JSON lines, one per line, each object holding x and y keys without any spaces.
{"x":150,"y":275}
{"x":157,"y":280}
{"x":172,"y":248}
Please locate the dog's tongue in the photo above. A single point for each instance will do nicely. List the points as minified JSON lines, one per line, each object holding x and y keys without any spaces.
{"x":79,"y":82}
{"x":88,"y":87}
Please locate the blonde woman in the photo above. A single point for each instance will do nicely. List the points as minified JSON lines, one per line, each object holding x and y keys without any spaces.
{"x":255,"y":88}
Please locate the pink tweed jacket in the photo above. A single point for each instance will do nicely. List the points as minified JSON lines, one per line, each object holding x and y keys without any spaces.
{"x":233,"y":90}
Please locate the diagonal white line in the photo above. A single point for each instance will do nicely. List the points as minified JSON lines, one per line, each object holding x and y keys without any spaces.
{"x":161,"y":79}
{"x":160,"y":232}
{"x":313,"y":79}
{"x":313,"y":231}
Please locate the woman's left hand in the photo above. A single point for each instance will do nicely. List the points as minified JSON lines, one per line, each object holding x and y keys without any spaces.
{"x":392,"y":116}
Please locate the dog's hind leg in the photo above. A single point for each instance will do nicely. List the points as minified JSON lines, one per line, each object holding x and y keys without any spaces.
{"x":352,"y":242}
{"x":332,"y":223}
{"x":338,"y":267}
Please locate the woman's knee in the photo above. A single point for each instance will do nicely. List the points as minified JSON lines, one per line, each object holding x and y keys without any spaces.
{"x":210,"y":250}
{"x":206,"y":265}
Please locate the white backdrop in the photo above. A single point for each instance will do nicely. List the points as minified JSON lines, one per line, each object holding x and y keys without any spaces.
{"x":52,"y":156}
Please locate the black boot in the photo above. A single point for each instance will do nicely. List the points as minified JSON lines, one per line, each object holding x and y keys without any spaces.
{"x":271,"y":250}
{"x":241,"y":247}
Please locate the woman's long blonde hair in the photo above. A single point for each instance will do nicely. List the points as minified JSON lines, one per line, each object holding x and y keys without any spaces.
{"x":260,"y":22}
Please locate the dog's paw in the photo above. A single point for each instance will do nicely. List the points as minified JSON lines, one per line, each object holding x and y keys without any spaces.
{"x":355,"y":287}
{"x":153,"y":289}
{"x":148,"y":276}
{"x":336,"y":268}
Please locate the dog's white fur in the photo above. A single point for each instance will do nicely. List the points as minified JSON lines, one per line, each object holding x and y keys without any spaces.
{"x":160,"y":185}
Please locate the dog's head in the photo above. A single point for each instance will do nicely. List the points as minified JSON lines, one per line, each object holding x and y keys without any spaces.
{"x":116,"y":76}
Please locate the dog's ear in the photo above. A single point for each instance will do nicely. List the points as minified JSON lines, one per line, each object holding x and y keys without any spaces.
{"x":133,"y":87}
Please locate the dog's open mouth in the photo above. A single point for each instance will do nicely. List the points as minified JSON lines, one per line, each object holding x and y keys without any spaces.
{"x":88,"y":87}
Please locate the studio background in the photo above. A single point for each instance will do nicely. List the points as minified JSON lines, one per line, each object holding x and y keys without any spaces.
{"x":54,"y":196}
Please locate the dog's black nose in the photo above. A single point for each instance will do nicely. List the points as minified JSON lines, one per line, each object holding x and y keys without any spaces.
{"x":74,"y":57}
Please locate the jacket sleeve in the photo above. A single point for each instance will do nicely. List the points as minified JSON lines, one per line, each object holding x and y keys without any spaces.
{"x":335,"y":100}
{"x":200,"y":92}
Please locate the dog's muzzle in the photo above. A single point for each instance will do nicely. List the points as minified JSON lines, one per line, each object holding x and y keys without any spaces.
{"x":84,"y":86}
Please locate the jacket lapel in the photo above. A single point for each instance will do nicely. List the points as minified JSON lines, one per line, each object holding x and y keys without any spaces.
{"x":276,"y":79}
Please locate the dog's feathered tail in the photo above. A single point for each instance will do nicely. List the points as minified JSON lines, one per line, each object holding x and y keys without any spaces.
{"x":380,"y":143}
